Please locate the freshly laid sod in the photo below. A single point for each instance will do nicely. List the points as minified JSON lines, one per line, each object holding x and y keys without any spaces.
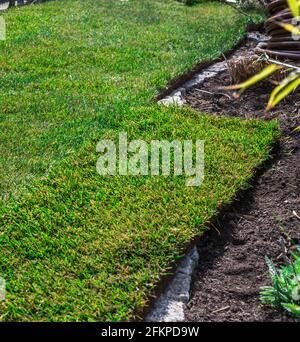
{"x":75,"y":245}
{"x":80,"y":246}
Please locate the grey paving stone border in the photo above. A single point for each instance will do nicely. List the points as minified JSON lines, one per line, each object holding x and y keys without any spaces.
{"x":170,"y":305}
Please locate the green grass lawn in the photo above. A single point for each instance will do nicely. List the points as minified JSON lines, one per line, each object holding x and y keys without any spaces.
{"x":74,"y":245}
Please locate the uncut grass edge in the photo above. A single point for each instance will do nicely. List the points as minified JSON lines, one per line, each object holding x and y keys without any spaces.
{"x":181,"y":79}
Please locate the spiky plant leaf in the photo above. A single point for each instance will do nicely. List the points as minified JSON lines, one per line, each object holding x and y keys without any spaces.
{"x":294,"y":6}
{"x":296,"y":293}
{"x":290,"y":28}
{"x":283,"y":90}
{"x":285,"y":289}
{"x":266,"y":72}
{"x":294,"y":309}
{"x":271,"y":266}
{"x":291,"y":77}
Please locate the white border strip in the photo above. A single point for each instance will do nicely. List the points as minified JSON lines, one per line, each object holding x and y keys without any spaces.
{"x":171,"y":304}
{"x":177,"y":96}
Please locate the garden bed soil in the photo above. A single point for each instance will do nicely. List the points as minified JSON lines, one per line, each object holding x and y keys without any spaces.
{"x":231,"y":266}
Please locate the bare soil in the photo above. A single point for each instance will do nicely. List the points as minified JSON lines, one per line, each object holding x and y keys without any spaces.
{"x":232,"y":269}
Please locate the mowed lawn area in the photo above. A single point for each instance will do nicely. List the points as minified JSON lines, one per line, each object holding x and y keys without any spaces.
{"x":77,"y":246}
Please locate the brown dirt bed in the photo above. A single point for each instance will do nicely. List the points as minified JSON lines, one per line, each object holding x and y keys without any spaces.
{"x":232,"y":268}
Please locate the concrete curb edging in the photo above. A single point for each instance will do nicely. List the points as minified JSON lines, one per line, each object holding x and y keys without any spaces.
{"x":170,"y":305}
{"x":177,"y":96}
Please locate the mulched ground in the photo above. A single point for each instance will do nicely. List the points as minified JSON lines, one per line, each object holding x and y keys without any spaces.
{"x":232,"y":268}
